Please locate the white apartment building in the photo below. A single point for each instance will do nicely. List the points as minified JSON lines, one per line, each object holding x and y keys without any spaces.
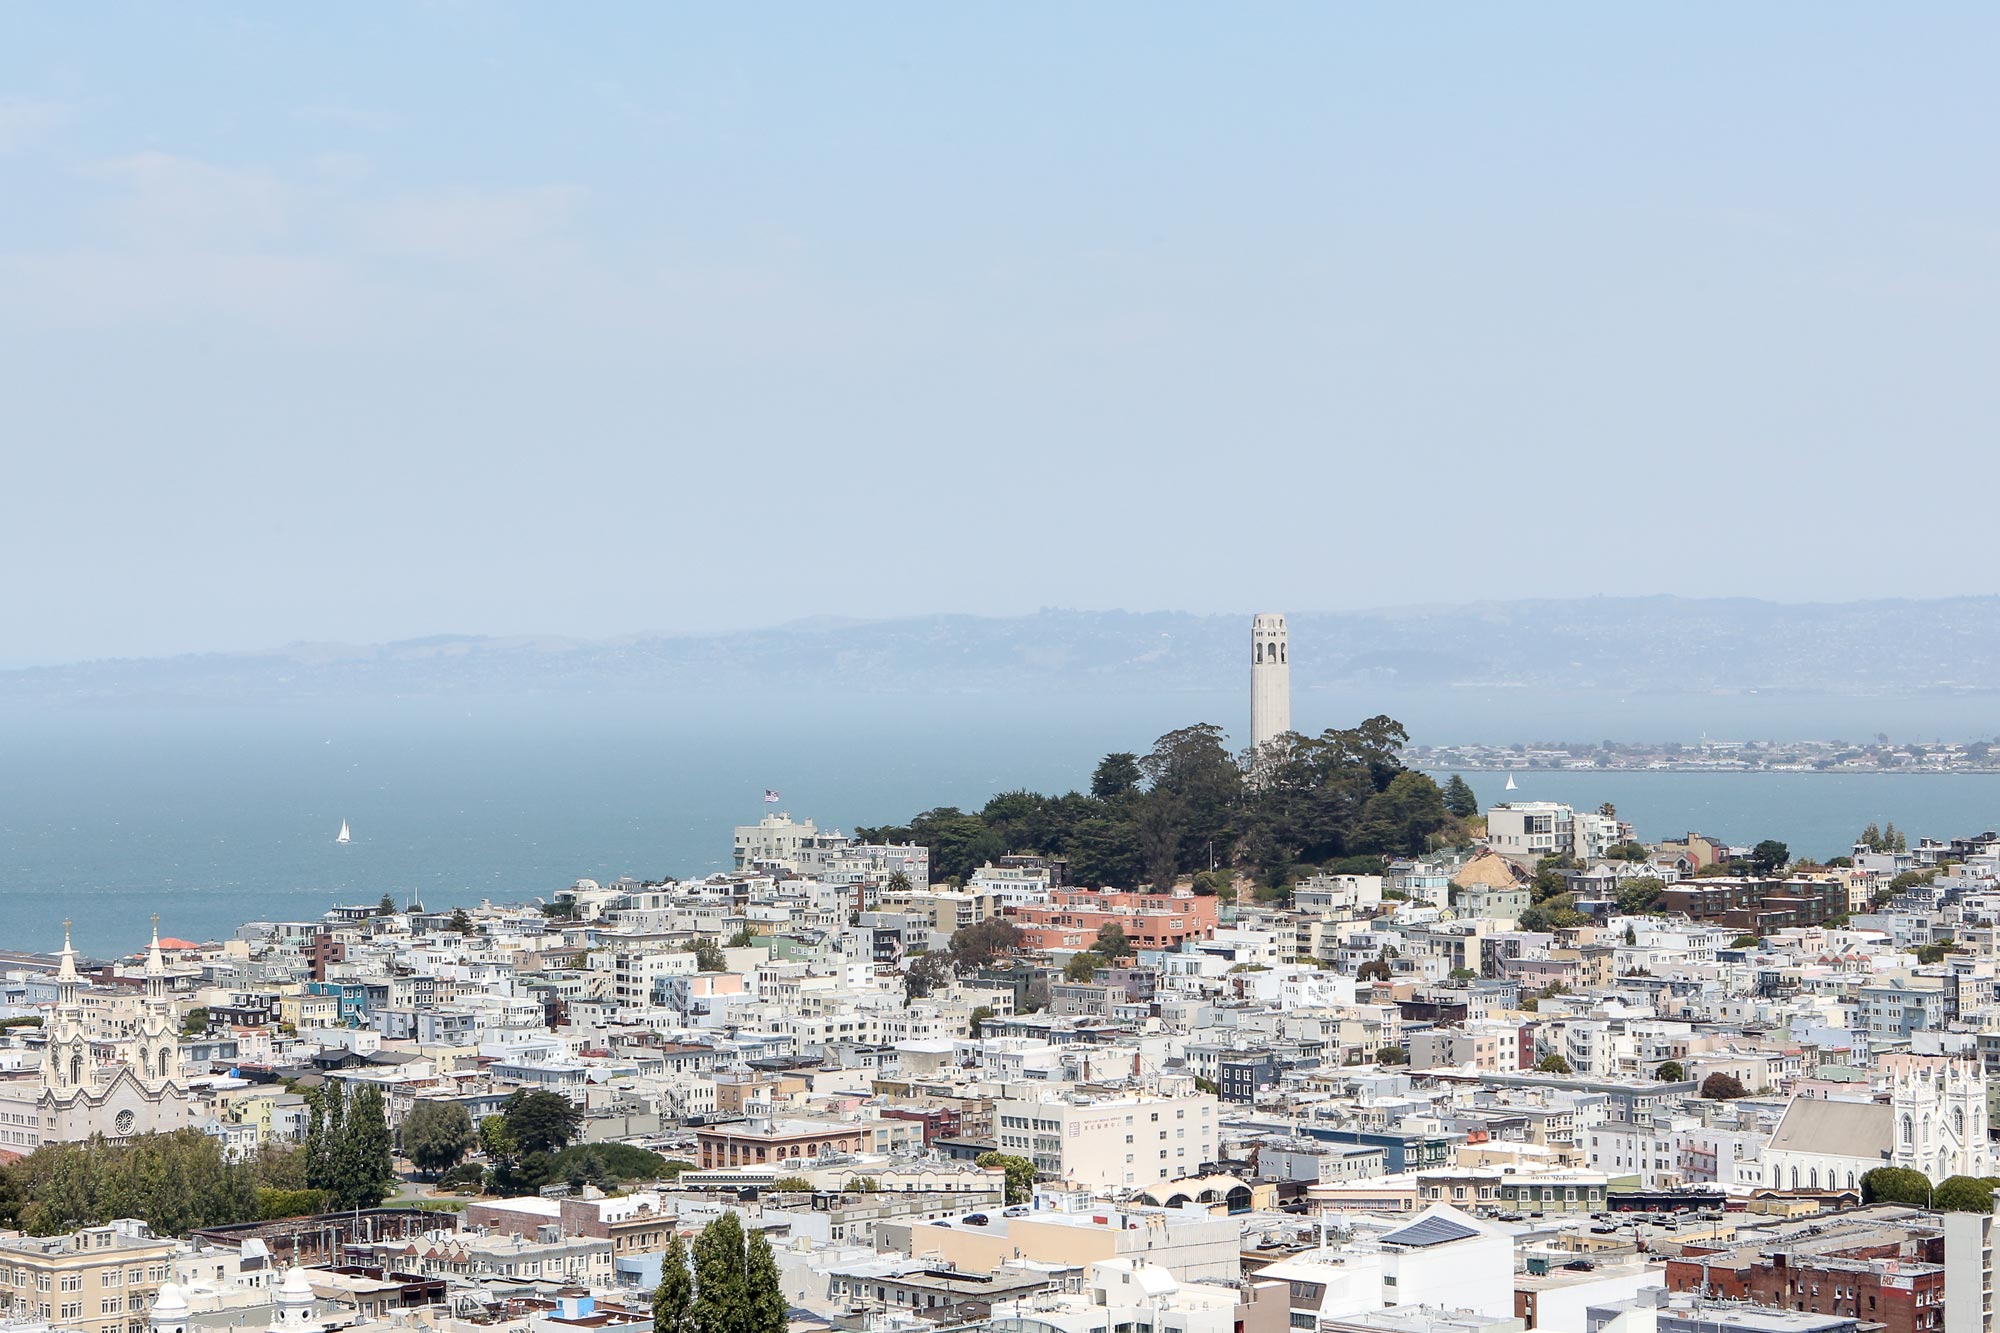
{"x":1113,"y":1143}
{"x":1530,"y":830}
{"x":780,"y":840}
{"x":1011,"y":886}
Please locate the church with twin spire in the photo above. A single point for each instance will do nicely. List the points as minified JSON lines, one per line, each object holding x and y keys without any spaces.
{"x":85,"y":1087}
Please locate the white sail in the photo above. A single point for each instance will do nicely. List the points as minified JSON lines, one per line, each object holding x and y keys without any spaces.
{"x":343,"y":833}
{"x":1510,"y":787}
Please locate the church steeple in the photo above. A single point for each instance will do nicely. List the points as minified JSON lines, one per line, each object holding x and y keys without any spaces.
{"x":156,"y":966}
{"x":159,"y":1044}
{"x":67,"y":981}
{"x":65,"y":1061}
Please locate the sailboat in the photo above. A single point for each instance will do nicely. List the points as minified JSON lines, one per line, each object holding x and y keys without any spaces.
{"x":1510,"y":787}
{"x":344,"y":835}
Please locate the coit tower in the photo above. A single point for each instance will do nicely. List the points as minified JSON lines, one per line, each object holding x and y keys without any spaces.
{"x":1270,"y":680}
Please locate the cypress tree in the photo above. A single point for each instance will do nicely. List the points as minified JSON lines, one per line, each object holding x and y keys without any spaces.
{"x":323,"y":1137}
{"x":366,"y":1165}
{"x":721,"y":1298}
{"x":1459,"y":799}
{"x":673,"y":1299}
{"x":765,"y":1312}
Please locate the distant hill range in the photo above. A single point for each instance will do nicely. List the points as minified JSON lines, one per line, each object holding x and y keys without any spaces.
{"x":1626,"y":644}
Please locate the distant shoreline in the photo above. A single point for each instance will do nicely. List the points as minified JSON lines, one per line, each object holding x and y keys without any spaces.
{"x":1721,"y":772}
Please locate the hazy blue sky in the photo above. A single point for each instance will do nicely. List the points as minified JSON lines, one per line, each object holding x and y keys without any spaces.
{"x":375,"y":321}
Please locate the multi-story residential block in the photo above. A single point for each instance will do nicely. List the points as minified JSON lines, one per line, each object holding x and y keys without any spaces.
{"x":1112,"y":1142}
{"x":96,"y":1280}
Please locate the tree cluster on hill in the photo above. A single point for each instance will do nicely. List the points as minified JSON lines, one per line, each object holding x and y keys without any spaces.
{"x":1190,"y":803}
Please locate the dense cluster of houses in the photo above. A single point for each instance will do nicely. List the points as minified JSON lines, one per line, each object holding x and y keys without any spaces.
{"x":1368,"y":1102}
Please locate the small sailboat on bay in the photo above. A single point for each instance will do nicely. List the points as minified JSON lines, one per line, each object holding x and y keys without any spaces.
{"x":1510,"y":787}
{"x":344,"y":835}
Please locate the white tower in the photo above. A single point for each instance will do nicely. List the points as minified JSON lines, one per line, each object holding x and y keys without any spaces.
{"x":1270,"y":680}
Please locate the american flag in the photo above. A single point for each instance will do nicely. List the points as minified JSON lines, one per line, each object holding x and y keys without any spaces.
{"x":770,"y":797}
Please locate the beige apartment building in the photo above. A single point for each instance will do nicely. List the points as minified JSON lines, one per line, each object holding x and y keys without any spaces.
{"x":97,"y":1280}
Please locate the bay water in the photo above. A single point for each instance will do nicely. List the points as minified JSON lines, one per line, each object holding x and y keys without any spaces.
{"x":214,"y":816}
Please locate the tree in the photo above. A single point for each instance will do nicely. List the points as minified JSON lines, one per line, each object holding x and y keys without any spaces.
{"x":1769,"y":856}
{"x":605,"y":1164}
{"x":1721,"y":1087}
{"x":497,"y":1141}
{"x":1897,"y":1184}
{"x":1552,"y":1063}
{"x":924,"y":974}
{"x":175,"y":1182}
{"x":1082,"y":967}
{"x":1463,"y":974}
{"x":1641,"y":894}
{"x":436,"y":1135}
{"x":673,"y":1299}
{"x":1117,"y":775}
{"x":326,"y":1110}
{"x":742,"y":939}
{"x":1218,"y":884}
{"x":541,"y":1121}
{"x":280,"y":1167}
{"x":722,"y":1296}
{"x":898,"y":883}
{"x":765,"y":1310}
{"x":792,"y":1184}
{"x":1106,"y":852}
{"x":980,"y":1017}
{"x":1111,"y":944}
{"x":387,"y":907}
{"x":1551,"y":914}
{"x":1197,"y":788}
{"x":1744,"y":941}
{"x":1401,"y":817}
{"x":195,"y":1023}
{"x":1392,"y":1055}
{"x":977,"y":945}
{"x":1375,"y":969}
{"x":1965,"y":1194}
{"x":959,"y":843}
{"x":1020,"y":1173}
{"x":1459,"y":800}
{"x":1670,"y":1072}
{"x":707,"y":955}
{"x":348,"y":1152}
{"x":276,"y":1204}
{"x":461,"y":921}
{"x":366,"y":1164}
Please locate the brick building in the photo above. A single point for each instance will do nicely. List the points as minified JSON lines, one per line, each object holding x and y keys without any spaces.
{"x":1072,"y":918}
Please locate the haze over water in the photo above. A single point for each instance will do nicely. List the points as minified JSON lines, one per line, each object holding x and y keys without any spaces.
{"x":213,"y":818}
